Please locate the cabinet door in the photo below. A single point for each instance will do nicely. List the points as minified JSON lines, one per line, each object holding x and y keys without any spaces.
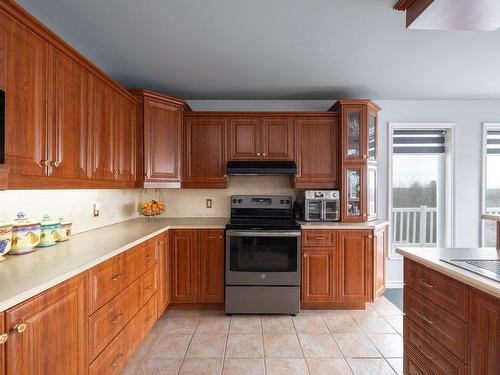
{"x":185,"y":266}
{"x":316,"y":141}
{"x":371,"y":192}
{"x":55,"y":336}
{"x":379,"y":251}
{"x":372,"y":136}
{"x":318,"y":274}
{"x":205,"y":153}
{"x":23,"y":77}
{"x":484,"y":333}
{"x":125,"y":138}
{"x":355,"y":266}
{"x":102,"y":134}
{"x":68,"y":118}
{"x":3,"y":336}
{"x":354,"y":193}
{"x":211,"y":247}
{"x":244,"y":138}
{"x":277,"y":138}
{"x":164,"y":274}
{"x":162,"y":141}
{"x":354,"y":133}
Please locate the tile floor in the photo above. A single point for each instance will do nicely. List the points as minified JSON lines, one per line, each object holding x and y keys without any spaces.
{"x":314,"y":343}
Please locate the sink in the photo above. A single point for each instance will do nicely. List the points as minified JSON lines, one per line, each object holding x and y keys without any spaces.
{"x":489,"y":268}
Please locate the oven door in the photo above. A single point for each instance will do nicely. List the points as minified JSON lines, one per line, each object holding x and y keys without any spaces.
{"x":263,"y":257}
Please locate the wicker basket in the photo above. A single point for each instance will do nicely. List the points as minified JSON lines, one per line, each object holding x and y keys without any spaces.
{"x":151,"y":203}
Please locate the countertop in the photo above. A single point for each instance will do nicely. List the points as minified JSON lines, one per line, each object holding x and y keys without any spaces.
{"x":24,"y":276}
{"x":337,"y":225}
{"x":430,"y":257}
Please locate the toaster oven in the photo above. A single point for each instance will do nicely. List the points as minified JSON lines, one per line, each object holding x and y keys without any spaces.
{"x":318,"y":205}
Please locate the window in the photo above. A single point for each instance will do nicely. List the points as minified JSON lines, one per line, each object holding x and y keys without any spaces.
{"x":491,"y":181}
{"x":420,"y":184}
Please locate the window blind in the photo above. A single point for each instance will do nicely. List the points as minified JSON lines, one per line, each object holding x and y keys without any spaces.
{"x":493,"y":142}
{"x":407,"y":141}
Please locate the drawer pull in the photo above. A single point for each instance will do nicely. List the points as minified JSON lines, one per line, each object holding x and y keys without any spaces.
{"x":19,"y":328}
{"x":117,"y":360}
{"x":426,"y":320}
{"x":3,"y":338}
{"x":116,"y":318}
{"x":118,"y":276}
{"x":147,"y":257}
{"x":427,"y":285}
{"x":421,"y":348}
{"x":148,"y":319}
{"x":149,"y":287}
{"x":319,"y":238}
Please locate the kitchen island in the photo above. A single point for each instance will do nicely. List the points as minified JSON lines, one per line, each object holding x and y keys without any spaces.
{"x":452,"y":315}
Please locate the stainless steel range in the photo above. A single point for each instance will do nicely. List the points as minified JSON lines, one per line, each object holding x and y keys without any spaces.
{"x":262,"y":256}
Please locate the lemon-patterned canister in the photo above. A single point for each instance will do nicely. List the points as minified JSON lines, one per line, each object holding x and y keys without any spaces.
{"x":5,"y":238}
{"x":50,"y":232}
{"x":64,"y":230}
{"x":25,"y":235}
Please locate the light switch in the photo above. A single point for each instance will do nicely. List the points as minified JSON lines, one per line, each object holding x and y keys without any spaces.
{"x":97,"y":209}
{"x":209,"y":203}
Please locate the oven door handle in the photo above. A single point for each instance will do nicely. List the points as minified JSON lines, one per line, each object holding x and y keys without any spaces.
{"x":262,"y":234}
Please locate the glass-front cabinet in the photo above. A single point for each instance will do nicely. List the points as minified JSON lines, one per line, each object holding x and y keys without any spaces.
{"x":359,"y":133}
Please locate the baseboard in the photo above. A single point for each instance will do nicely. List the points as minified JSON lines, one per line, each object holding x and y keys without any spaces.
{"x":394,"y":284}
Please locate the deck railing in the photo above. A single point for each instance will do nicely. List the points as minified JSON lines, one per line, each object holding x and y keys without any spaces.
{"x":414,"y":226}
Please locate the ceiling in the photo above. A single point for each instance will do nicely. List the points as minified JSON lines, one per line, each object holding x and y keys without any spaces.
{"x":275,"y":49}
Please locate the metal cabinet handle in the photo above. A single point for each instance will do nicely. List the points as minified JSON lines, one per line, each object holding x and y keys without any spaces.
{"x":221,"y":236}
{"x":44,"y":163}
{"x":264,"y":154}
{"x":427,"y":285}
{"x":55,"y":163}
{"x":149,"y":287}
{"x":116,"y":318}
{"x":19,"y":328}
{"x":118,"y":276}
{"x":364,"y":156}
{"x":421,"y":348}
{"x":147,"y":257}
{"x":148,"y":319}
{"x":258,"y":153}
{"x":117,"y":360}
{"x":427,"y":320}
{"x":319,"y":238}
{"x":370,"y":236}
{"x":3,"y":338}
{"x":304,"y":255}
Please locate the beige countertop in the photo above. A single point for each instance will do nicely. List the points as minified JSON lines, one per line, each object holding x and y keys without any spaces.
{"x":24,"y":276}
{"x":430,"y":257}
{"x":337,"y":225}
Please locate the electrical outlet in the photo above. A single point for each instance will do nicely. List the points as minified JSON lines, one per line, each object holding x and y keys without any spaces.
{"x":97,"y":209}
{"x":208,"y":203}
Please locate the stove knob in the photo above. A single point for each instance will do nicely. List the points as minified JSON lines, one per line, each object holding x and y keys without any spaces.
{"x":240,"y":201}
{"x":287,"y":201}
{"x":282,"y":201}
{"x":234,"y":201}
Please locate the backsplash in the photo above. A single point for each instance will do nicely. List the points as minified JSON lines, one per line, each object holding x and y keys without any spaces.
{"x":191,"y":202}
{"x":74,"y":205}
{"x":120,"y":205}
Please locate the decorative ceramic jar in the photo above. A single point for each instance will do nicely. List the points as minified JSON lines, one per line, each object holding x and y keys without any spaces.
{"x":5,"y":238}
{"x":64,"y":230}
{"x":25,"y":235}
{"x":50,"y":232}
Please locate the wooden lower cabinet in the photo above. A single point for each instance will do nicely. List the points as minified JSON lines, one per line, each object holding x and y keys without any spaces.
{"x":318,"y":274}
{"x":164,"y":272}
{"x":380,"y":244}
{"x":484,"y":333}
{"x":3,"y":343}
{"x":197,"y":261}
{"x":355,"y":266}
{"x":48,"y":333}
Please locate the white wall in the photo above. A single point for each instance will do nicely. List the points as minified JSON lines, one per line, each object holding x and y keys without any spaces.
{"x":468,"y":116}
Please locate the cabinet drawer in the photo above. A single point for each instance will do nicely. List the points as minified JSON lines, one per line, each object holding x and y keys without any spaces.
{"x":105,"y":323}
{"x":440,"y":289}
{"x":108,"y":279}
{"x":319,"y":238}
{"x":144,"y":321}
{"x":450,"y":331}
{"x":143,"y":256}
{"x":412,"y":364}
{"x":112,"y":360}
{"x":432,"y":354}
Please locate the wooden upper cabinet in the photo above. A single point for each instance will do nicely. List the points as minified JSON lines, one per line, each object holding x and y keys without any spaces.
{"x":185,"y":265}
{"x":277,"y":138}
{"x":318,"y":274}
{"x":316,"y":155}
{"x":54,"y":331}
{"x":125,"y":130}
{"x":103,"y":131}
{"x":68,"y":117}
{"x":23,"y":69}
{"x":205,"y":152}
{"x":355,"y":266}
{"x":162,"y":142}
{"x":244,"y":138}
{"x":211,"y":255}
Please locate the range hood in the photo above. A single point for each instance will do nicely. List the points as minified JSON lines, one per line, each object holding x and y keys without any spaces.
{"x":261,"y":168}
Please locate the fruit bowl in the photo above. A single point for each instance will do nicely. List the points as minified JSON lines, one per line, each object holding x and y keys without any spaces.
{"x":151,"y":206}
